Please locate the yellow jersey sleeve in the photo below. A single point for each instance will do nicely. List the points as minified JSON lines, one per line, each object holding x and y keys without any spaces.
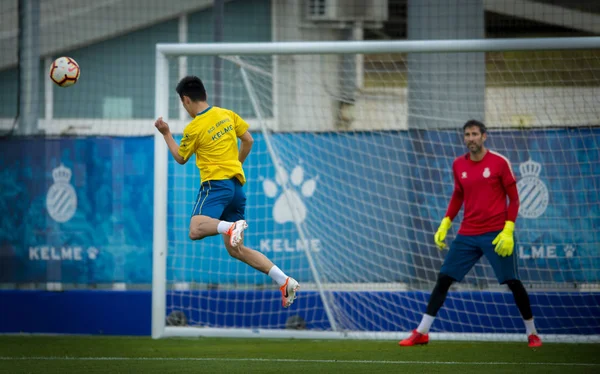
{"x":188,"y":143}
{"x":239,"y":124}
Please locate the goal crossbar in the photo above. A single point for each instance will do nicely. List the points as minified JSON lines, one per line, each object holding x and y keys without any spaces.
{"x":365,"y":47}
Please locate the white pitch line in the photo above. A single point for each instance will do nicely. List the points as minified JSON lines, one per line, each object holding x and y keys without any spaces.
{"x":55,"y":358}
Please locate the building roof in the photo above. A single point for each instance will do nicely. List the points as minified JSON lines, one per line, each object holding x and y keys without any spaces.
{"x":69,"y":24}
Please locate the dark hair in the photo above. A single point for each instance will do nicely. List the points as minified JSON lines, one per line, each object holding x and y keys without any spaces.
{"x":473,"y":123}
{"x":192,"y":87}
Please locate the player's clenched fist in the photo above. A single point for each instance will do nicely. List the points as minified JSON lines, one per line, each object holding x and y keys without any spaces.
{"x":161,"y":126}
{"x":441,"y":232}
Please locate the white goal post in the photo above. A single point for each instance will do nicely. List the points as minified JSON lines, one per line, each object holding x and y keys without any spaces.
{"x":358,"y":306}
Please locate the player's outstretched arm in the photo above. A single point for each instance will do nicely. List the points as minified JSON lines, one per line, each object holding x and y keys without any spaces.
{"x":164,"y":129}
{"x":246,"y":146}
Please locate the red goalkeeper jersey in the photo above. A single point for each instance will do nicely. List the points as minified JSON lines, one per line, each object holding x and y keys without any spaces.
{"x":482,"y":186}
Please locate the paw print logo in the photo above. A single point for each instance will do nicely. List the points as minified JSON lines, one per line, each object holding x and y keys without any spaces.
{"x":569,"y":250}
{"x":92,"y":253}
{"x":289,"y":206}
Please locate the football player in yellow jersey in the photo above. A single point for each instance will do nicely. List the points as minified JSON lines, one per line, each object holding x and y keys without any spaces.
{"x":212,"y":136}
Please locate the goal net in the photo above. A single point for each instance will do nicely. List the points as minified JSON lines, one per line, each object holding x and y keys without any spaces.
{"x":350,"y":175}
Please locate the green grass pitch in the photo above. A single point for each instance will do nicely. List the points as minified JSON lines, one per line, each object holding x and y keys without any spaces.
{"x":104,"y":354}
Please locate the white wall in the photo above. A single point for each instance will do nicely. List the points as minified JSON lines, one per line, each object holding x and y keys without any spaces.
{"x":543,"y":106}
{"x":302,"y":81}
{"x":306,"y":89}
{"x":379,"y":109}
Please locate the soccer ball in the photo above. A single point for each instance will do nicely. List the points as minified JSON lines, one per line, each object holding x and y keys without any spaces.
{"x":64,"y":71}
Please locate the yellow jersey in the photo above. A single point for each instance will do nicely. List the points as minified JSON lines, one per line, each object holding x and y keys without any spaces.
{"x":213,"y":137}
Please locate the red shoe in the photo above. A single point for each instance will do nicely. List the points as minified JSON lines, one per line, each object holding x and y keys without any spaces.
{"x":534,"y":341}
{"x":416,"y":338}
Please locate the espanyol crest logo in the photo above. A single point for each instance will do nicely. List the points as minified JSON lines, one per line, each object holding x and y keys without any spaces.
{"x":533,"y":193}
{"x":61,"y":200}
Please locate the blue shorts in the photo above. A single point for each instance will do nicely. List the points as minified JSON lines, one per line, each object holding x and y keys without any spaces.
{"x":221,"y":199}
{"x":465,"y":251}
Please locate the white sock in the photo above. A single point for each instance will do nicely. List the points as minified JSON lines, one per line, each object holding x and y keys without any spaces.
{"x":530,"y":327}
{"x":425,"y":324}
{"x":223,"y":227}
{"x":278,"y":276}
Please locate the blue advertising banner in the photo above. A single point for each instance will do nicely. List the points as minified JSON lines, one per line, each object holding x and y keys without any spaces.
{"x":76,"y":210}
{"x":409,"y":174}
{"x":79,"y":210}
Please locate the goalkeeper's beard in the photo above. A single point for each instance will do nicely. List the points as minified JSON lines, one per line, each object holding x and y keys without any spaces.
{"x":474,"y":148}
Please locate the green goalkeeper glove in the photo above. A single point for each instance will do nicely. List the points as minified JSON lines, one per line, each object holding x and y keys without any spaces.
{"x":441,"y":232}
{"x":504,"y":241}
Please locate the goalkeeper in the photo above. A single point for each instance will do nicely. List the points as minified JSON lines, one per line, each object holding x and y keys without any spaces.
{"x":482,"y":181}
{"x":212,"y":136}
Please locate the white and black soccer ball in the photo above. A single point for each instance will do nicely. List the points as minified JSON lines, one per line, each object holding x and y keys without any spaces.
{"x":64,"y":71}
